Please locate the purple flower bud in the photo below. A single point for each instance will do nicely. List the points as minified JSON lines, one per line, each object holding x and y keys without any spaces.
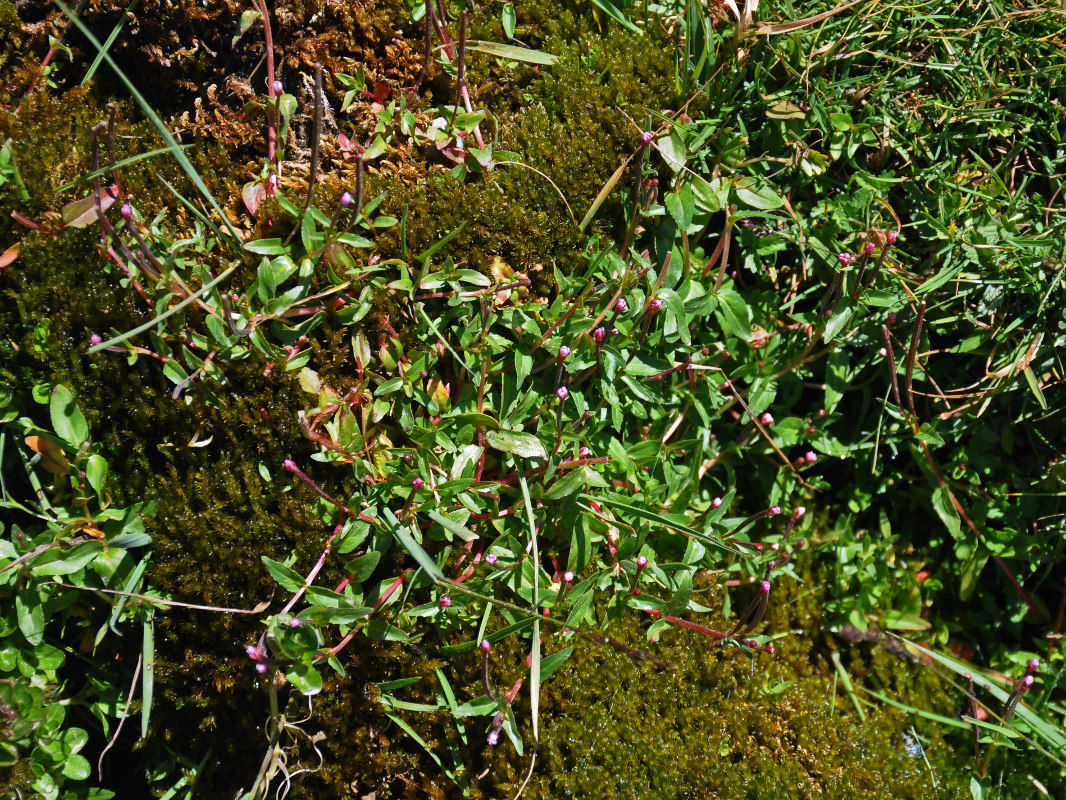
{"x":767,"y":418}
{"x":126,"y":211}
{"x":642,"y":562}
{"x":656,"y":304}
{"x":260,"y":667}
{"x":1026,"y":683}
{"x":1033,"y":666}
{"x":493,"y":738}
{"x":445,"y":602}
{"x":562,"y":393}
{"x":568,"y":577}
{"x":775,"y":510}
{"x":295,"y":622}
{"x":844,"y":259}
{"x":486,"y":646}
{"x":95,"y":339}
{"x":716,"y":503}
{"x":869,"y":247}
{"x":278,"y":87}
{"x":490,"y":559}
{"x":564,"y":351}
{"x":346,"y":200}
{"x":811,"y":457}
{"x":764,"y":587}
{"x":598,"y":334}
{"x":891,"y":317}
{"x":646,"y":137}
{"x":893,"y":236}
{"x":289,"y":464}
{"x":417,"y":484}
{"x":621,"y":305}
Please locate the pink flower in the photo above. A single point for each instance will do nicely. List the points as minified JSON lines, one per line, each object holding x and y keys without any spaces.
{"x":417,"y":484}
{"x":278,"y":87}
{"x":893,"y":236}
{"x":564,"y":351}
{"x":490,"y":559}
{"x":775,"y":510}
{"x":764,"y":587}
{"x":716,"y":503}
{"x":869,"y":247}
{"x":811,"y":457}
{"x":346,"y":200}
{"x":445,"y":602}
{"x":767,"y":418}
{"x":598,"y":334}
{"x":562,"y":392}
{"x":126,"y":211}
{"x":568,"y":577}
{"x":656,"y":304}
{"x":486,"y":646}
{"x":289,"y":464}
{"x":844,"y":259}
{"x":621,"y":305}
{"x":95,"y":339}
{"x":646,"y":137}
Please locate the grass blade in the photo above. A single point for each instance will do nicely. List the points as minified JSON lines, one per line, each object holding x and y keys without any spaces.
{"x":204,"y":291}
{"x":534,"y":666}
{"x":110,"y":41}
{"x":147,"y":675}
{"x":152,"y":116}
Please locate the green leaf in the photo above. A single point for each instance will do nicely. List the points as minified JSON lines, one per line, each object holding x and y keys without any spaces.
{"x":568,"y":484}
{"x":67,"y":420}
{"x":898,"y":621}
{"x":381,"y":631}
{"x":946,"y":510}
{"x":285,"y":576}
{"x":75,"y":767}
{"x":96,"y":474}
{"x":507,"y":18}
{"x":361,"y":567}
{"x":266,"y":247}
{"x":520,"y":444}
{"x":30,"y":614}
{"x":735,"y":313}
{"x":78,"y":557}
{"x":305,"y":678}
{"x":761,"y":197}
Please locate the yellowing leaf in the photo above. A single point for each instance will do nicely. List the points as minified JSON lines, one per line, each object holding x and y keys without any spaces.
{"x":53,"y":458}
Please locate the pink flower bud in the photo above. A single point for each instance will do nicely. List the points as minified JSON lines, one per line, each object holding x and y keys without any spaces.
{"x":278,"y":87}
{"x":568,"y":577}
{"x":95,"y":339}
{"x":598,"y":334}
{"x":564,"y":351}
{"x":767,"y":418}
{"x":642,"y":562}
{"x":811,"y":457}
{"x":295,"y":622}
{"x":493,"y":738}
{"x":844,"y":259}
{"x":417,"y":484}
{"x":562,"y":393}
{"x":253,"y":652}
{"x":346,"y":200}
{"x":764,"y":587}
{"x":646,"y":137}
{"x":260,"y":667}
{"x":1026,"y":683}
{"x":893,"y":236}
{"x":126,"y":211}
{"x":490,"y":559}
{"x":800,"y":512}
{"x":289,"y":465}
{"x":716,"y":503}
{"x":445,"y":602}
{"x":869,"y":247}
{"x":486,"y":646}
{"x":775,"y":510}
{"x":656,"y":304}
{"x":1033,"y":666}
{"x":584,"y":451}
{"x":621,"y":305}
